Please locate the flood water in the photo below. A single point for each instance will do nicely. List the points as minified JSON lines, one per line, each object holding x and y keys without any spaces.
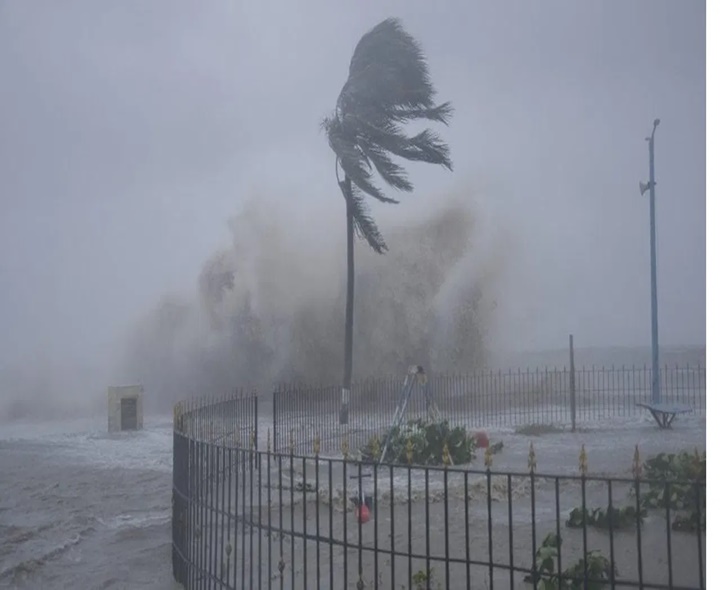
{"x":81,"y":508}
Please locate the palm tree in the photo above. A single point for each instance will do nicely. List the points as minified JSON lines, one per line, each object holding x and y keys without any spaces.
{"x":388,"y":86}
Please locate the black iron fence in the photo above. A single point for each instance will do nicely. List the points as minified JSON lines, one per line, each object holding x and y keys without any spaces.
{"x":224,"y":420}
{"x":250,"y":518}
{"x":558,"y":397}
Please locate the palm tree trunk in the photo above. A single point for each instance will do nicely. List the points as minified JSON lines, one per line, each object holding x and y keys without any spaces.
{"x":349,"y":303}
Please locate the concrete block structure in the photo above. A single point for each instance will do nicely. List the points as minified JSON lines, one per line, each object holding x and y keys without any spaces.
{"x":125,"y":408}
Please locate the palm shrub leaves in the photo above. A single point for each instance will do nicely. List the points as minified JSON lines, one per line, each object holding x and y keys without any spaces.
{"x":388,"y":86}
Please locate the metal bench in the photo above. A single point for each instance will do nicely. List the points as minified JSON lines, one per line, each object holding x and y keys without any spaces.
{"x":664,"y":414}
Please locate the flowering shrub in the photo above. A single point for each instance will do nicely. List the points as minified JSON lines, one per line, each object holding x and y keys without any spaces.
{"x":427,"y":440}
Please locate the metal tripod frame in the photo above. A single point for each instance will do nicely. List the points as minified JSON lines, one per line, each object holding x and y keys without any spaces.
{"x":415,"y":375}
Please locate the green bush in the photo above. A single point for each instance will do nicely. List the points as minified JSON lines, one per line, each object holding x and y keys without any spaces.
{"x":685,"y":472}
{"x":599,"y":571}
{"x":428,"y":441}
{"x":547,"y":576}
{"x":621,"y":518}
{"x":423,"y":580}
{"x":678,"y":467}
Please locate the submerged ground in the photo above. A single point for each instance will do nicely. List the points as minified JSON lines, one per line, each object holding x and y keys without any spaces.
{"x":80,"y":508}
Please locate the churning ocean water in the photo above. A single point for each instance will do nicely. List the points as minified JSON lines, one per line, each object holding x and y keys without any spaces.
{"x":84,"y":509}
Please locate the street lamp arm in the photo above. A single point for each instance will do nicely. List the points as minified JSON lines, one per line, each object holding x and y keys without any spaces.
{"x":656,"y":122}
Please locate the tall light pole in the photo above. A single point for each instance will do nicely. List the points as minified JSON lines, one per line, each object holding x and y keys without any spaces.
{"x":653,"y":267}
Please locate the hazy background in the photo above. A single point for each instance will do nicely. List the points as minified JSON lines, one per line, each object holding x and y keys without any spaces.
{"x":142,"y":141}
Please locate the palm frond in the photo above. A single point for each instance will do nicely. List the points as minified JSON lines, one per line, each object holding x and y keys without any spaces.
{"x":353,"y":161}
{"x":440,"y":114}
{"x":426,"y":146}
{"x":388,"y":85}
{"x":389,"y":69}
{"x":391,"y":172}
{"x":365,"y":226}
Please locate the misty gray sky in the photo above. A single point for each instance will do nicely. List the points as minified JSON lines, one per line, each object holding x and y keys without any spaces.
{"x":131,"y":131}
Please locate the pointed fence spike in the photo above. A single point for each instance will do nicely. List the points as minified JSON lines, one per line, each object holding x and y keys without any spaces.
{"x":636,"y":466}
{"x":488,"y":457}
{"x":316,"y":445}
{"x":532,"y":460}
{"x":409,"y":447}
{"x":583,"y":461}
{"x":446,"y":455}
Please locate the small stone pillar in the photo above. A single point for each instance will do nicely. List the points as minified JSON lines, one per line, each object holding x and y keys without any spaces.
{"x":125,"y":408}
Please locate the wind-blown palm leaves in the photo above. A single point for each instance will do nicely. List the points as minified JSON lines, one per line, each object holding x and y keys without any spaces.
{"x":388,"y":85}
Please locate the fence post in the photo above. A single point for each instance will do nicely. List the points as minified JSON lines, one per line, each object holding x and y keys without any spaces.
{"x":180,"y":508}
{"x":255,"y":428}
{"x":572,"y":383}
{"x":275,"y":421}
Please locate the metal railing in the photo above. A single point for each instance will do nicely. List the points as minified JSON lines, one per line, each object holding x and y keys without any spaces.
{"x":509,"y":398}
{"x":250,"y":518}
